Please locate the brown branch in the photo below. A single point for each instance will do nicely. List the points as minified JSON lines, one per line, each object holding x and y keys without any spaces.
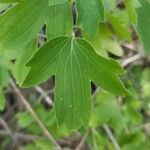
{"x":37,"y":119}
{"x":23,"y":136}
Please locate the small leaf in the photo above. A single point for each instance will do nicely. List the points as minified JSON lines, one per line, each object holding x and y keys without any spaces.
{"x":119,"y":27}
{"x":102,"y":39}
{"x":74,"y":63}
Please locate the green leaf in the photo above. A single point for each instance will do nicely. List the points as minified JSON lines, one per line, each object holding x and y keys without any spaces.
{"x":144,"y":24}
{"x":20,"y":25}
{"x":8,"y":55}
{"x":102,"y":39}
{"x":106,"y":101}
{"x":131,"y":11}
{"x":26,"y":121}
{"x":59,"y":20}
{"x":74,"y":63}
{"x":119,"y":27}
{"x":90,"y":13}
{"x":20,"y":70}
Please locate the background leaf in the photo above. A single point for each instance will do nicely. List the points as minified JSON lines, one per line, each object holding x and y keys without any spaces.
{"x":20,"y":25}
{"x":143,"y":24}
{"x":90,"y":21}
{"x":59,"y":20}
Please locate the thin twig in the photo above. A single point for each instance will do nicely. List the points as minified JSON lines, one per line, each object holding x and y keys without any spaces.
{"x":4,"y":124}
{"x":44,"y":95}
{"x":111,"y":137}
{"x":37,"y":119}
{"x":107,"y":130}
{"x":23,"y":136}
{"x":80,"y":145}
{"x":131,"y":60}
{"x":42,"y":36}
{"x":96,"y":92}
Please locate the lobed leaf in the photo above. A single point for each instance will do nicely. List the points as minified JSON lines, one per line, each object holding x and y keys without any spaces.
{"x":75,"y":64}
{"x":20,"y":25}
